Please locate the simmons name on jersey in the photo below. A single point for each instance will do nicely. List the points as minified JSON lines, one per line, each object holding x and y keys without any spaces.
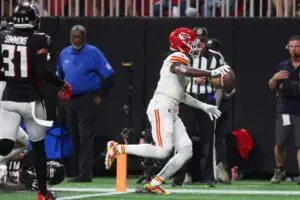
{"x":18,"y":57}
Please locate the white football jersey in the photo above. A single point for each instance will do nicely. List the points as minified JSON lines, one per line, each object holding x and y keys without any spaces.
{"x":170,"y":84}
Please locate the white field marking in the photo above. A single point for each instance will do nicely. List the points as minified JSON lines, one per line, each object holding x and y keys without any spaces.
{"x":185,"y":191}
{"x":90,"y":195}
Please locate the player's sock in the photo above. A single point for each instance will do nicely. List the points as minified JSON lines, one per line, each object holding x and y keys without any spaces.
{"x":144,"y":150}
{"x":156,"y":181}
{"x":12,"y":154}
{"x":174,"y":164}
{"x":40,"y":165}
{"x":121,"y":148}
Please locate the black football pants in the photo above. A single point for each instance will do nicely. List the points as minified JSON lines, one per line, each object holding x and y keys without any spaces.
{"x":81,"y":116}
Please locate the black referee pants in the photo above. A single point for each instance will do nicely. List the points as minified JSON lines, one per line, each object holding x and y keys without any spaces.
{"x":201,"y":130}
{"x":222,"y":132}
{"x":81,"y":116}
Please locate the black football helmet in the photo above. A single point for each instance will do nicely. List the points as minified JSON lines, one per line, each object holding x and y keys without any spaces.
{"x":26,"y":16}
{"x":56,"y":174}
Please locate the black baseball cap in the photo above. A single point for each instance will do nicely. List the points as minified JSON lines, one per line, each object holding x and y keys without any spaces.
{"x":214,"y":44}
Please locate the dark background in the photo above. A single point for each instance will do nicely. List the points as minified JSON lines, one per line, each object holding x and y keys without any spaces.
{"x":253,"y":47}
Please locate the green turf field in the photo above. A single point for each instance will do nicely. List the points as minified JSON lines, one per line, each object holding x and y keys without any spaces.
{"x":103,"y":188}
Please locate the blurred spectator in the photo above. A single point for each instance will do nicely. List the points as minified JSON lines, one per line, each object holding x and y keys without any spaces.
{"x":38,"y":5}
{"x":190,"y":10}
{"x":130,"y":8}
{"x":126,"y":8}
{"x":103,"y":8}
{"x":70,"y":9}
{"x":280,"y":6}
{"x":205,"y":8}
{"x":62,"y":8}
{"x":144,"y":12}
{"x":7,"y":8}
{"x":55,"y":7}
{"x":214,"y":8}
{"x":158,"y":4}
{"x":211,"y":6}
{"x":174,"y":8}
{"x":257,"y":10}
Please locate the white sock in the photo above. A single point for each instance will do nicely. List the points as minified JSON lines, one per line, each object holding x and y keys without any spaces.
{"x":144,"y":150}
{"x":173,"y":165}
{"x":156,"y":181}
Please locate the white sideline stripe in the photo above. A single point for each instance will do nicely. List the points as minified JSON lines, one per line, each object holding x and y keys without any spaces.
{"x":184,"y":191}
{"x":90,"y":195}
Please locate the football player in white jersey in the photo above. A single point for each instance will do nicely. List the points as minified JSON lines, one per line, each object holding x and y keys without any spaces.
{"x":168,"y":131}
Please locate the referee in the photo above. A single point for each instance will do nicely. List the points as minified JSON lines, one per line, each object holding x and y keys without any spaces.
{"x":198,"y":124}
{"x":222,"y":129}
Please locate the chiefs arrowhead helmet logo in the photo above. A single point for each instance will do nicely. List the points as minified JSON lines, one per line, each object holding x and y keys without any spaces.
{"x":183,"y":36}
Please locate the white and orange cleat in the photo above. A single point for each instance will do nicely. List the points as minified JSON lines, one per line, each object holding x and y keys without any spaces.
{"x":155,"y":189}
{"x":111,"y":154}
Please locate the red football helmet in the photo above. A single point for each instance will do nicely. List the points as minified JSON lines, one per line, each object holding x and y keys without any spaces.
{"x":184,"y":40}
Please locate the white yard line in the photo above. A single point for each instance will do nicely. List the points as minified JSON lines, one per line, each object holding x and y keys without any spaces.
{"x":112,"y":191}
{"x":90,"y":195}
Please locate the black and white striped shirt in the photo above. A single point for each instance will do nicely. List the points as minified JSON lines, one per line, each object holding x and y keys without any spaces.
{"x":207,"y":61}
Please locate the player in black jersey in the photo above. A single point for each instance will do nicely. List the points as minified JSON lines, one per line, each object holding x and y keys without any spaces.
{"x":23,"y":57}
{"x":22,"y":140}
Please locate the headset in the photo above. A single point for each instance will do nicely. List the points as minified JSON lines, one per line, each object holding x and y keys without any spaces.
{"x":295,"y":37}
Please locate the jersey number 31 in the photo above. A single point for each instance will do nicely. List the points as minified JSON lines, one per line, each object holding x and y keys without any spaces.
{"x":10,"y":62}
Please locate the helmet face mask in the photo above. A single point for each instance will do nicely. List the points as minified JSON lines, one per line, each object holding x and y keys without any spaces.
{"x":194,"y":47}
{"x":56,"y":174}
{"x":185,"y":41}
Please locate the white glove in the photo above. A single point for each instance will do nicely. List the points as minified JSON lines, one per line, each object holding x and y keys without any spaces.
{"x":220,"y":70}
{"x":212,"y":111}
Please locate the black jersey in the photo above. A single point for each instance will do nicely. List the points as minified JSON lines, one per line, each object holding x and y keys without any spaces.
{"x":21,"y":61}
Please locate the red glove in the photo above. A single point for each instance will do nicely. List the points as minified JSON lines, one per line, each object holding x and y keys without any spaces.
{"x":65,"y":92}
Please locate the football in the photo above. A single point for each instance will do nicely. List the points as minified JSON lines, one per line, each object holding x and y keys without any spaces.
{"x":228,"y":81}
